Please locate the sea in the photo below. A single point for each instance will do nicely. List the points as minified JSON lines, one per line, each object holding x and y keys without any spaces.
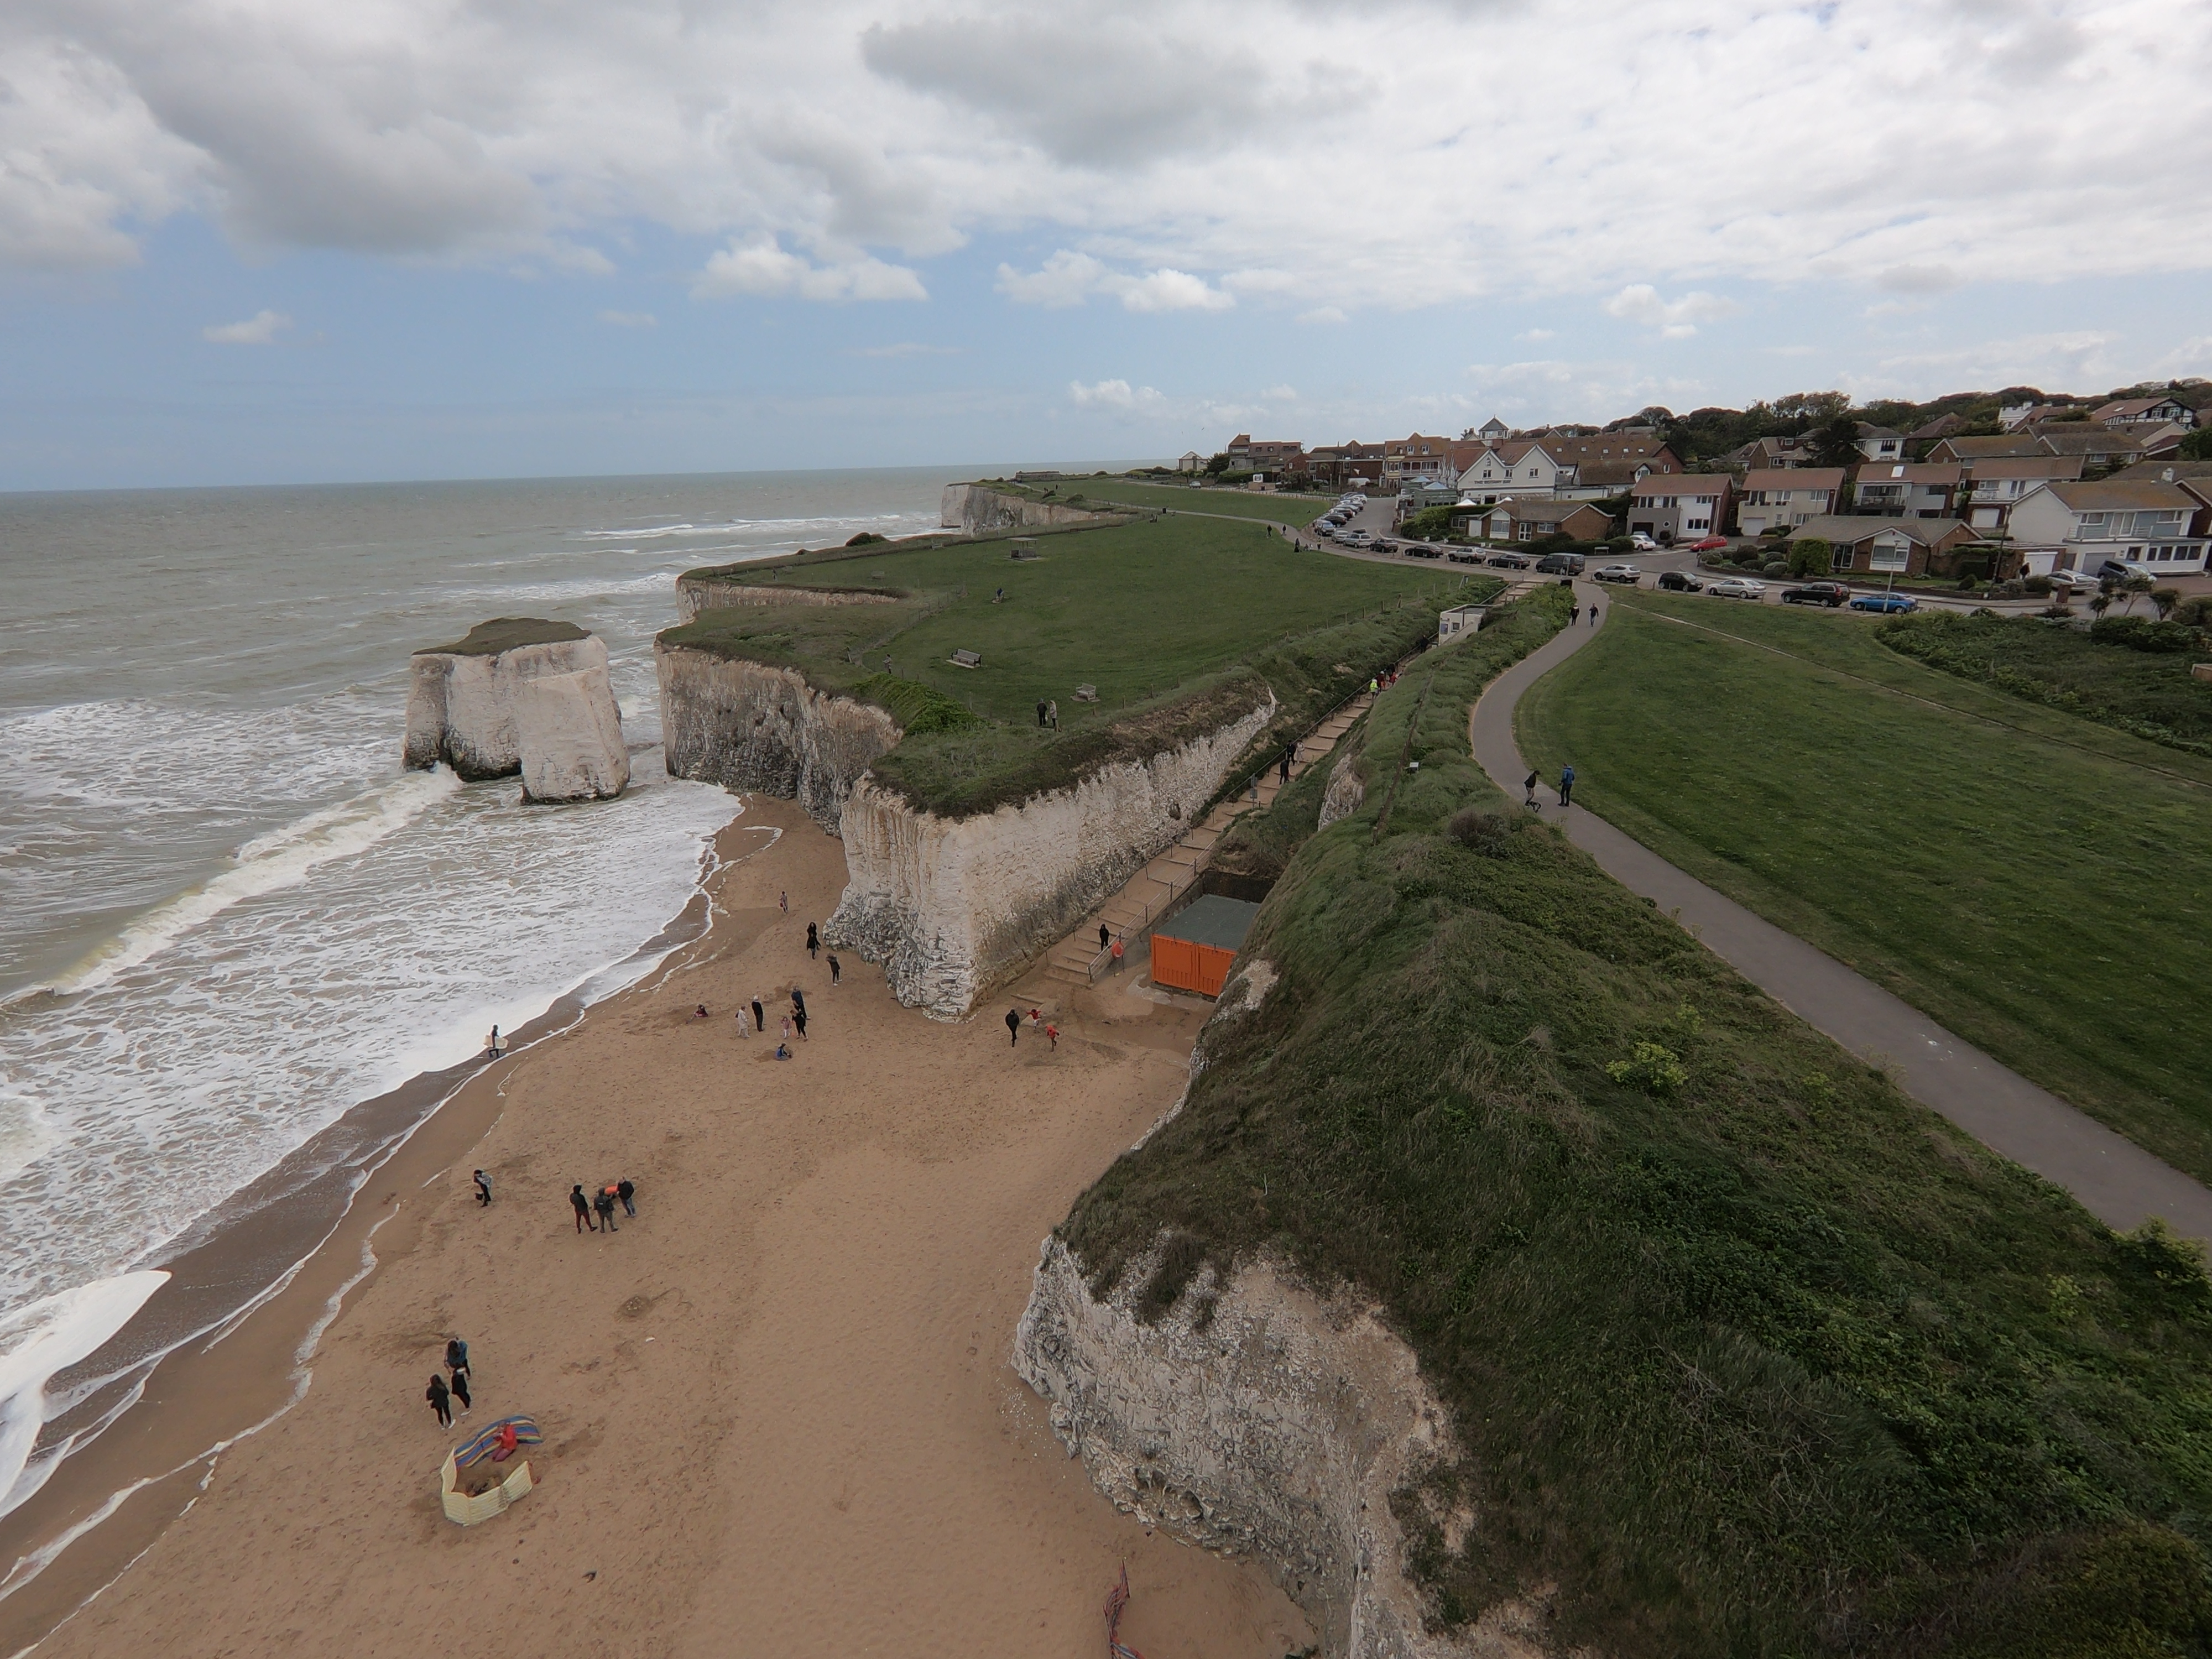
{"x":226,"y":914}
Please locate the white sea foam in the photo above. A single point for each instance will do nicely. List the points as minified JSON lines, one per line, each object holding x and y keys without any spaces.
{"x":45,"y":1337}
{"x":267,"y":864}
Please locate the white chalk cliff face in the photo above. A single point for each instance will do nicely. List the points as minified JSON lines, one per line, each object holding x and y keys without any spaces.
{"x":977,"y":508}
{"x":748,"y":725}
{"x":694,"y":594}
{"x":545,"y":710}
{"x":950,"y":905}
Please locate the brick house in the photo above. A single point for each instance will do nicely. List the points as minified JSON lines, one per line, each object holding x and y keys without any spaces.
{"x":1676,"y":506}
{"x":1787,"y":496}
{"x":1272,"y":458}
{"x":1877,"y":547}
{"x":1531,"y":519}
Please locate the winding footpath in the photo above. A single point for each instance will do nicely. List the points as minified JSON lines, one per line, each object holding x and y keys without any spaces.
{"x":2115,"y":1180}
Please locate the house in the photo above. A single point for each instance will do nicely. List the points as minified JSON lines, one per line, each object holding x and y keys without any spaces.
{"x":1881,"y":443}
{"x":2145,"y":411}
{"x":1769,"y":454}
{"x":1531,"y":519}
{"x":2013,"y":416}
{"x":1785,"y":497}
{"x":1584,"y":467}
{"x":1270,"y":458}
{"x":1943,"y":426}
{"x":2077,"y":526}
{"x":1675,"y":506}
{"x":1417,"y":457}
{"x":2097,"y":446}
{"x":2014,"y":444}
{"x":1905,"y":490}
{"x":1878,"y":547}
{"x":1517,"y":468}
{"x":1492,"y":431}
{"x":1994,"y":485}
{"x":1343,"y":466}
{"x":1191,"y":461}
{"x":1459,"y":622}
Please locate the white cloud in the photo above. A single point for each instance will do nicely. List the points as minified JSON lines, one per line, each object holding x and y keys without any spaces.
{"x":1323,"y":315}
{"x":630,"y":319}
{"x":1182,"y":148}
{"x":2080,"y":357}
{"x":1535,"y":335}
{"x":1282,"y":394}
{"x":2191,"y":356}
{"x":1675,"y":320}
{"x":260,"y":329}
{"x":762,"y":267}
{"x":1111,"y":394}
{"x":906,"y":348}
{"x":1069,"y":278}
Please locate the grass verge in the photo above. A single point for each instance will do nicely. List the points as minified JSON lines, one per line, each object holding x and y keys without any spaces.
{"x":2036,"y":884}
{"x":1118,"y":491}
{"x":1748,"y":1354}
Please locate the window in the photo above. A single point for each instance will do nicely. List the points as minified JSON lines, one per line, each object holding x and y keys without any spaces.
{"x":1840,"y":559}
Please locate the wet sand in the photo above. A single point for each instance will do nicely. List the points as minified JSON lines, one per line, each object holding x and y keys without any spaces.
{"x":777,"y":1409}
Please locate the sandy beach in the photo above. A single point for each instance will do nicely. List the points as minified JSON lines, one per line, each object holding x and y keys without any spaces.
{"x":777,"y":1412}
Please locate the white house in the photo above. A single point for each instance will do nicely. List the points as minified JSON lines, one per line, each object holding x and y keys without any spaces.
{"x":1671,"y":506}
{"x":2077,"y":526}
{"x":1519,"y":468}
{"x":1907,"y":489}
{"x":1787,"y":496}
{"x":2145,"y":411}
{"x":1879,"y":443}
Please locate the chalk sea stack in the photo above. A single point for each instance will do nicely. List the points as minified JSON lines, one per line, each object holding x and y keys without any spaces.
{"x":520,"y":695}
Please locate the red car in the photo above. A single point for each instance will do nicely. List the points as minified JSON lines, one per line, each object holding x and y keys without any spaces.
{"x":1710,"y":544}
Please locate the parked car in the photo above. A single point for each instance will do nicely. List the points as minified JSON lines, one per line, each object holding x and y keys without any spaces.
{"x":1326,"y":527}
{"x":1509,"y":561}
{"x":1830,"y":594}
{"x":1383,"y":544}
{"x":1642,"y":543}
{"x":1737,"y":587}
{"x":1467,"y":558}
{"x":1559,"y":564}
{"x":1627,"y":574}
{"x":1356,"y":539}
{"x":1885,"y":602}
{"x":1710,"y":544}
{"x":1674,"y":581}
{"x":2071,"y":578}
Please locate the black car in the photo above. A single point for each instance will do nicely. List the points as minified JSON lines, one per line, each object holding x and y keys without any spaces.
{"x":1674,"y":581}
{"x":1830,"y":594}
{"x":1508,"y":562}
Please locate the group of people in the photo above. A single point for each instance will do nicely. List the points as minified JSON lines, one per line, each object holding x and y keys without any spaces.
{"x":1566,"y":788}
{"x":1036,"y":1019}
{"x":442,"y":1394}
{"x":602,"y":1205}
{"x":1048,"y":712}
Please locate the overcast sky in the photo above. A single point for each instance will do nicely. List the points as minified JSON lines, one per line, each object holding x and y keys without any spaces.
{"x":267,"y":240}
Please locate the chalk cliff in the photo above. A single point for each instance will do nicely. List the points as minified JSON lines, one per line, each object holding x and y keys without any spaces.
{"x":950,"y":905}
{"x":697,"y":591}
{"x":520,"y":696}
{"x":977,"y":508}
{"x":750,"y":726}
{"x":1346,"y":790}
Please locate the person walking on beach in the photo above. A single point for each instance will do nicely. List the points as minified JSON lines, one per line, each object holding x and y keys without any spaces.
{"x":604,"y":1204}
{"x":483,"y":1190}
{"x":626,"y":1190}
{"x":1566,"y":784}
{"x":813,"y":942}
{"x":457,"y":1359}
{"x":798,"y":1002}
{"x":798,"y":1018}
{"x":1013,"y":1026}
{"x":440,"y":1397}
{"x":744,"y":1026}
{"x":760,"y":1017}
{"x":461,"y":1392}
{"x":836,"y":972}
{"x":583,"y":1206}
{"x":783,"y":902}
{"x":1052,"y":1035}
{"x":492,"y":1044}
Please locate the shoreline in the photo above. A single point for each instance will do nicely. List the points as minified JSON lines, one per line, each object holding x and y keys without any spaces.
{"x":254,"y":1283}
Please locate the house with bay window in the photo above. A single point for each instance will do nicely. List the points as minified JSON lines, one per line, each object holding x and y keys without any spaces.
{"x":1682,"y":506}
{"x":1786,"y":496}
{"x":2078,"y":526}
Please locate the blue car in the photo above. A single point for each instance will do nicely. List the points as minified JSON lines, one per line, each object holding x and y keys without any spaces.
{"x":1885,"y":602}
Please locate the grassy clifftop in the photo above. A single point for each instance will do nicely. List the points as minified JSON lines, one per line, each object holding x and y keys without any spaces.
{"x":1748,"y":1354}
{"x":1171,"y":621}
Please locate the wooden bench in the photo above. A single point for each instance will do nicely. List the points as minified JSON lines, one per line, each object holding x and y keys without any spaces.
{"x":967,"y":660}
{"x":1086,"y":694}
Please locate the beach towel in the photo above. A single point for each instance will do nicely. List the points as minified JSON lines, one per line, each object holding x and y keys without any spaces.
{"x":526,"y":1433}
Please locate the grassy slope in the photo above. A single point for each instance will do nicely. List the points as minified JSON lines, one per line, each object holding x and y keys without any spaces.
{"x":1181,"y":498}
{"x":2149,"y":694}
{"x":1151,"y":613}
{"x":1768,"y":1362}
{"x":2035,"y":885}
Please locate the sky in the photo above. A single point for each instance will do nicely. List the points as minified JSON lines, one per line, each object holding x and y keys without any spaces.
{"x":250,"y":241}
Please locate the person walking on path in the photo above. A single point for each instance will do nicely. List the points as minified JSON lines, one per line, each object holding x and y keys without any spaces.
{"x":440,"y":1399}
{"x":457,"y":1358}
{"x":813,"y":942}
{"x":583,"y":1209}
{"x":1574,"y":615}
{"x":1528,"y":784}
{"x":1105,"y":936}
{"x":1284,"y":769}
{"x":604,"y":1204}
{"x":760,"y":1017}
{"x":626,"y":1190}
{"x":461,"y":1392}
{"x":1593,"y":613}
{"x":1013,"y":1026}
{"x":1566,"y":786}
{"x":484,"y":1189}
{"x":837,"y":973}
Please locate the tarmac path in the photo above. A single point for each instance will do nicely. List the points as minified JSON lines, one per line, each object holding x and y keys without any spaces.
{"x":2117,"y":1182}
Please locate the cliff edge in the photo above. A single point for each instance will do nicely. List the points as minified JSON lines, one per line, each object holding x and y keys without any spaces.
{"x":520,"y":695}
{"x":976,"y":509}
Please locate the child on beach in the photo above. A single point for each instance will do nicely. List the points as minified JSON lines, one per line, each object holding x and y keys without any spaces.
{"x":583,"y":1209}
{"x":699,"y":1012}
{"x":813,"y":941}
{"x":783,"y":1051}
{"x":604,"y":1204}
{"x":785,"y":1029}
{"x":783,"y":902}
{"x":484,"y":1189}
{"x":836,"y":972}
{"x":440,"y":1402}
{"x":1052,"y":1035}
{"x":461,"y":1392}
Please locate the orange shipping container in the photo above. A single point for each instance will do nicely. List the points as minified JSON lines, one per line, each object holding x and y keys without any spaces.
{"x":1192,"y":952}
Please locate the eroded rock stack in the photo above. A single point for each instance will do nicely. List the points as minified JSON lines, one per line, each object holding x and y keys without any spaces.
{"x":520,"y":696}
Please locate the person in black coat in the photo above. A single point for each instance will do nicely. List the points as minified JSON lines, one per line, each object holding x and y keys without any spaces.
{"x":440,"y":1399}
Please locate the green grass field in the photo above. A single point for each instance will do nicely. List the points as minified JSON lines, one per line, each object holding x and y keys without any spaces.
{"x":1148,"y":612}
{"x":1181,"y":498}
{"x":1746,"y":1354}
{"x":2038,"y":883}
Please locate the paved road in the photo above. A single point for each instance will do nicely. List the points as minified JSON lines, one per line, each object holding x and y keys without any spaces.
{"x":2113,"y":1178}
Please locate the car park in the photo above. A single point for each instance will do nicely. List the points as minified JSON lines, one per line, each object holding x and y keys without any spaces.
{"x":1508,"y":562}
{"x":1675,"y":581}
{"x":1710,"y":544}
{"x":1737,"y":587}
{"x":1627,"y":574}
{"x":1885,"y":603}
{"x":1830,"y":594}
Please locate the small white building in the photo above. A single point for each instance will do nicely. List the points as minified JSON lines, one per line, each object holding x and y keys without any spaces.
{"x":1459,"y":622}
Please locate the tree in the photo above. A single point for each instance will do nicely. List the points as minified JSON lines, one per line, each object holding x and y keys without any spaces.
{"x":2134,"y":587}
{"x":2197,"y":446}
{"x":1217,"y":465}
{"x":1809,"y":555}
{"x":1836,"y":442}
{"x":2163,"y":599}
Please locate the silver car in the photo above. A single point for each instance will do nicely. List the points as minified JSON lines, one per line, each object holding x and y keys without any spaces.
{"x":1737,"y":587}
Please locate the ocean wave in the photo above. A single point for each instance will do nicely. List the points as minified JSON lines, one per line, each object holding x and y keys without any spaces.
{"x":48,"y":1336}
{"x":740,"y":526}
{"x":266,"y":864}
{"x":585,"y":588}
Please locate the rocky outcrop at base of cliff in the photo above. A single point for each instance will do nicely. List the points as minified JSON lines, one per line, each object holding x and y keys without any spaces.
{"x":1346,"y":790}
{"x":949,"y":906}
{"x":976,"y":509}
{"x":1255,"y":1417}
{"x":750,"y":726}
{"x":520,"y":696}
